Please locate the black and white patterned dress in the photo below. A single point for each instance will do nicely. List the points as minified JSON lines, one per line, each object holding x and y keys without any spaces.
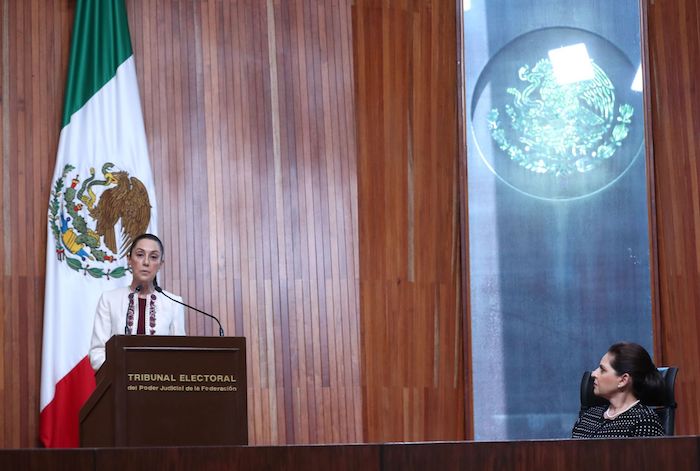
{"x":637,"y":421}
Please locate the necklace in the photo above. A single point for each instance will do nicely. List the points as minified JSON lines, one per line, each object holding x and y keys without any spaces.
{"x":608,"y":415}
{"x":151,"y":314}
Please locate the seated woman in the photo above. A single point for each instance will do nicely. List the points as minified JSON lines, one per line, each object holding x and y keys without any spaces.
{"x":137,"y":308}
{"x":627,"y":378}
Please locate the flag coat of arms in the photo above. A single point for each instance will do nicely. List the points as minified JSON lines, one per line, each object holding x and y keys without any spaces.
{"x":102,"y":197}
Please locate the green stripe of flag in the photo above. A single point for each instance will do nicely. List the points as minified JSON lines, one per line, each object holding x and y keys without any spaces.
{"x":99,"y":45}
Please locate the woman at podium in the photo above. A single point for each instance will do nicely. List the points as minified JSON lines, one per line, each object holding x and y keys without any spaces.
{"x":136,"y":309}
{"x":627,"y":378}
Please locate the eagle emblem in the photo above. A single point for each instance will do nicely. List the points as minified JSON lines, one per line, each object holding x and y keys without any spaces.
{"x":560,"y":129}
{"x":95,"y":219}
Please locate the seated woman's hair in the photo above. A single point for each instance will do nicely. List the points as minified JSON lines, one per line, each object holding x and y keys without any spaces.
{"x":633,"y":359}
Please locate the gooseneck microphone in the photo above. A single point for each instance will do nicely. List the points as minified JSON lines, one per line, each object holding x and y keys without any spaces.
{"x":160,"y":290}
{"x":127,"y":331}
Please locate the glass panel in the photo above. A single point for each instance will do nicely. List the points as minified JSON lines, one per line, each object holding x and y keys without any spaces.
{"x":559,"y":250}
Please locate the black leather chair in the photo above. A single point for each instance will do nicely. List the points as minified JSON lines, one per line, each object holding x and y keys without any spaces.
{"x":665,"y":409}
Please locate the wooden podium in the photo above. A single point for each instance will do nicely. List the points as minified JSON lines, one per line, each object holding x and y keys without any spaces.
{"x":168,"y":391}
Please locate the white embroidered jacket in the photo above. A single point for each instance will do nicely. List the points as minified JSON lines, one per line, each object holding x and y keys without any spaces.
{"x":110,"y":319}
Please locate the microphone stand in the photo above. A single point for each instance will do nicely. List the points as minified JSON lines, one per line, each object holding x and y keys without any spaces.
{"x":160,"y":290}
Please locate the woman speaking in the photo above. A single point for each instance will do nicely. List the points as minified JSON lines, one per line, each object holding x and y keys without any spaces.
{"x":137,"y":308}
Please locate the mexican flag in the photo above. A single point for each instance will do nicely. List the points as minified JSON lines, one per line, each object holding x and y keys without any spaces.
{"x":102,"y":197}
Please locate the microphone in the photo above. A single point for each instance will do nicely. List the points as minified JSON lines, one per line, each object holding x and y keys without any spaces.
{"x":126,"y":320}
{"x":160,"y":290}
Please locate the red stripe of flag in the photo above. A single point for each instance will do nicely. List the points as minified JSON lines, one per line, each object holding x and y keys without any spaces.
{"x":59,"y":421}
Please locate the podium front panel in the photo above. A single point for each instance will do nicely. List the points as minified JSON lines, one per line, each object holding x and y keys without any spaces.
{"x":169,"y":391}
{"x":197,"y":397}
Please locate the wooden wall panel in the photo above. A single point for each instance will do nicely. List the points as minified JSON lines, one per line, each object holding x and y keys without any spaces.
{"x":249,"y":116}
{"x":34,"y":41}
{"x":674,"y":57}
{"x":408,"y":180}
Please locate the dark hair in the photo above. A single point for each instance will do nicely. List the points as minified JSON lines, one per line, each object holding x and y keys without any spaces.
{"x":633,"y":359}
{"x":149,"y":237}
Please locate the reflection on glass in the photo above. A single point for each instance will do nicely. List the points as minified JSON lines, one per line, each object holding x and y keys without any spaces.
{"x":637,"y":82}
{"x":571,"y":64}
{"x":557,"y":204}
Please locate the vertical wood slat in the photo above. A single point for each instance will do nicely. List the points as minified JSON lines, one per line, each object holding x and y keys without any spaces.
{"x":6,"y":432}
{"x":255,"y":180}
{"x":673,"y":37}
{"x":464,"y":283}
{"x":408,"y":210}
